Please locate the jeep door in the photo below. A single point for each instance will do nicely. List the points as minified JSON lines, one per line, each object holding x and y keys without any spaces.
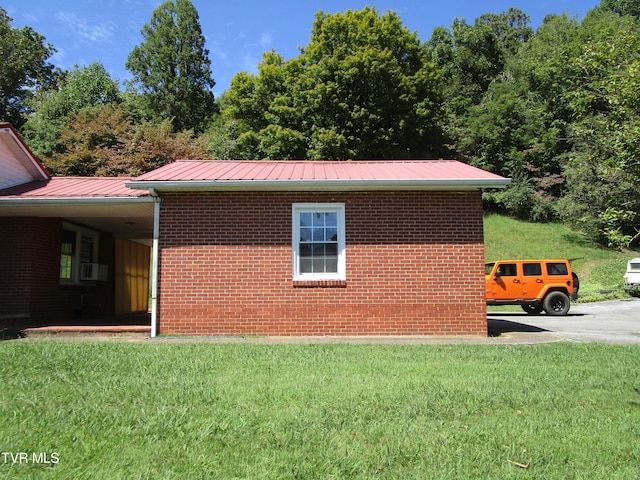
{"x":505,"y":283}
{"x":532,"y":280}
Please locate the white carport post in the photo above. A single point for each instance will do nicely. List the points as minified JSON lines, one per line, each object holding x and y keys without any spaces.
{"x":155,"y":255}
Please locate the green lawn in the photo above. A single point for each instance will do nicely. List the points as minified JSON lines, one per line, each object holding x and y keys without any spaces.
{"x":116,"y":410}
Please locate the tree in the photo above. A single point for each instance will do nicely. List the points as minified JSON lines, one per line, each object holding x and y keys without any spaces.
{"x":511,"y":28}
{"x":362,"y":88}
{"x":76,"y":89}
{"x":172,"y":69}
{"x":518,"y":129}
{"x":103,"y":140}
{"x":621,"y":7}
{"x":603,"y":172}
{"x":472,"y":56}
{"x":23,"y":56}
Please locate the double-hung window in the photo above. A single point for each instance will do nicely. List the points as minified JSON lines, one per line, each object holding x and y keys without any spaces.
{"x":319,"y":241}
{"x":79,"y":246}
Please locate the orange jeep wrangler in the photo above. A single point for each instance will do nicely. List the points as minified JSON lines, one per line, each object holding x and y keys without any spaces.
{"x":535,"y":285}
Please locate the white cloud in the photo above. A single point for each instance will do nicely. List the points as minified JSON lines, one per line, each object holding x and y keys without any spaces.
{"x":266,"y":40}
{"x":100,"y":32}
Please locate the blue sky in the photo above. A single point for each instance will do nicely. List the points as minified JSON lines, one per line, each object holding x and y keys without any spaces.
{"x":237,"y":31}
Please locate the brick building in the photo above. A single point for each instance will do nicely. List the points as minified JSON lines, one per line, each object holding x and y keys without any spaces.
{"x":278,"y":248}
{"x":320,"y":248}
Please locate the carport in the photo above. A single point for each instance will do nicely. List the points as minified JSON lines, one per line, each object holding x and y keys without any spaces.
{"x":73,"y":248}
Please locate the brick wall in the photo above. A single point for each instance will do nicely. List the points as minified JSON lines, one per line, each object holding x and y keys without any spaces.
{"x":415,"y":266}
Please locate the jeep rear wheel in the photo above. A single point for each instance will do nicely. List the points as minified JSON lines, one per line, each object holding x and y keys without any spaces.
{"x":556,"y":303}
{"x":532,"y":309}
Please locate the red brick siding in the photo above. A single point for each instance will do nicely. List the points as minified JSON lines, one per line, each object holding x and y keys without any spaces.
{"x":415,"y":265}
{"x":30,"y":289}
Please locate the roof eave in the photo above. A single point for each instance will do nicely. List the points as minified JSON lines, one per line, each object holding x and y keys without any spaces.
{"x":71,"y":201}
{"x":32,"y":164}
{"x":317,"y":185}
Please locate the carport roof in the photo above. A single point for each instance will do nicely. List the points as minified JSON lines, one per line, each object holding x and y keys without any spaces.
{"x":72,"y":187}
{"x":98,"y":202}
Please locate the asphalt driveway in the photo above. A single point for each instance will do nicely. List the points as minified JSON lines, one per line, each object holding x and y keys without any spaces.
{"x":615,"y":321}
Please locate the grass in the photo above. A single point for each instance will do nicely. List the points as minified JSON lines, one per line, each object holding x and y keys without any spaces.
{"x":600,"y":270}
{"x":116,"y":410}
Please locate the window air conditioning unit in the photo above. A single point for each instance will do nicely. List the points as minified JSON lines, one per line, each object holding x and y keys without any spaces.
{"x":93,"y":272}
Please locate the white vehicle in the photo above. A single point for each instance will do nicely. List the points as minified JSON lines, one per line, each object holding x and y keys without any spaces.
{"x":632,"y":277}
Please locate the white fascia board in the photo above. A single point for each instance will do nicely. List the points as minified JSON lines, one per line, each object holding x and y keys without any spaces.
{"x":67,"y":201}
{"x":318,"y":185}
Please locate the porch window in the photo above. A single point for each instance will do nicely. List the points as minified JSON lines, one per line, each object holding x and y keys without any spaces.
{"x":78,"y":246}
{"x":68,"y":252}
{"x":319,"y":242}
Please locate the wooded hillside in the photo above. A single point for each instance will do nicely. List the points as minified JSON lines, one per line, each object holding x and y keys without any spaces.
{"x":556,"y":109}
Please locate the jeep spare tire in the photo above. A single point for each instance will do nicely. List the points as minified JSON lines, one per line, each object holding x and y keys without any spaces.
{"x":556,"y":303}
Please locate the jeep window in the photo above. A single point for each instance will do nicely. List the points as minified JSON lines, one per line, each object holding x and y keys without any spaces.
{"x":507,"y":270}
{"x":532,"y":269}
{"x":488,"y":267}
{"x":557,"y":268}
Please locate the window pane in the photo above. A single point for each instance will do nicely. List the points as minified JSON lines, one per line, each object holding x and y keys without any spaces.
{"x":68,"y":242}
{"x":331,"y":219}
{"x":557,"y":269}
{"x":305,"y":265}
{"x":318,"y":265}
{"x":306,"y":249}
{"x":332,"y":264}
{"x":318,"y":219}
{"x":532,"y":269}
{"x":318,"y":234}
{"x":86,"y":250}
{"x":331,"y":249}
{"x":305,"y":235}
{"x":331,"y":234}
{"x":318,"y":250}
{"x":305,"y":219}
{"x":68,"y":249}
{"x":507,"y":270}
{"x":65,"y":266}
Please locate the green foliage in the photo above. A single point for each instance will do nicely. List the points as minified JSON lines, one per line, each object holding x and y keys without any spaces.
{"x":201,"y":410}
{"x":556,"y":109}
{"x":171,"y":67}
{"x":621,"y":7}
{"x":602,"y":195}
{"x":103,"y":140}
{"x":23,"y":56}
{"x":362,"y":88}
{"x":472,"y":56}
{"x":562,"y":120}
{"x":76,"y":89}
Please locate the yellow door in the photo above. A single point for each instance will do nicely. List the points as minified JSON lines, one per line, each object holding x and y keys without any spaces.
{"x":131,"y":277}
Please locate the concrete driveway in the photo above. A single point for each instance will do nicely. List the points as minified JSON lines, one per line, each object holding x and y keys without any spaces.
{"x":615,"y":321}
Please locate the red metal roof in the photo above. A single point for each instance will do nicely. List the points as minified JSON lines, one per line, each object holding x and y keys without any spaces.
{"x":73,"y":187}
{"x":305,"y":170}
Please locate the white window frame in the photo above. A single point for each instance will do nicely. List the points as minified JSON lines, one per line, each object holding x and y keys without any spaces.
{"x":75,"y":262}
{"x":339,"y":209}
